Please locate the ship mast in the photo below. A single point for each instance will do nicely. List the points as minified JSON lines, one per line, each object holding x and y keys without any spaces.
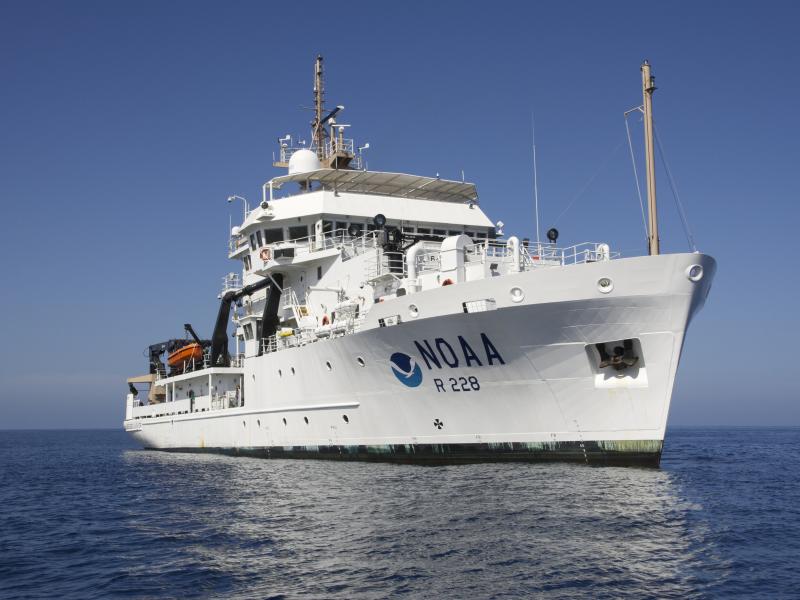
{"x":648,"y":87}
{"x":318,"y":129}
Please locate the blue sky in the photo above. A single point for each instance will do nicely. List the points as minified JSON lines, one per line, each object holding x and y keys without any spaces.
{"x":125,"y":125}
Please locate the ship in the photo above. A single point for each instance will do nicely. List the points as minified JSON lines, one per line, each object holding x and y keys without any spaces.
{"x":383,"y":316}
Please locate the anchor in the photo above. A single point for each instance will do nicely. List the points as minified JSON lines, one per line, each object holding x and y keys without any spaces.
{"x":621,"y":357}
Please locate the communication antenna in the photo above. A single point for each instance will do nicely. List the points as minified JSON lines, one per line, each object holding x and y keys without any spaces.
{"x":535,"y":180}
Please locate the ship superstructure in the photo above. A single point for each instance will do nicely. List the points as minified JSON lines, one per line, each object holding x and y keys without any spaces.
{"x":384,"y":316}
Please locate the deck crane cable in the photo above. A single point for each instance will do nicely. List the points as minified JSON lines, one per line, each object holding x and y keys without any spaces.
{"x":636,"y":176}
{"x":678,"y":203}
{"x":589,"y":182}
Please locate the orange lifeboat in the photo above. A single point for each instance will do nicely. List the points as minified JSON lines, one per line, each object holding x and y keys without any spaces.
{"x":185,"y":354}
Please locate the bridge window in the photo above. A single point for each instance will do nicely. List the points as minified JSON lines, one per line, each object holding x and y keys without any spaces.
{"x":451,"y":232}
{"x":327,"y":228}
{"x":298,"y":231}
{"x":424,"y":230}
{"x":439,"y":232}
{"x":341,"y":225}
{"x":247,"y":262}
{"x":258,"y":238}
{"x":273,"y":235}
{"x":252,"y":242}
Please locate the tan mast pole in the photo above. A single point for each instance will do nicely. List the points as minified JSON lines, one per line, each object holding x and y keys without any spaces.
{"x":319,"y":102}
{"x":648,"y":87}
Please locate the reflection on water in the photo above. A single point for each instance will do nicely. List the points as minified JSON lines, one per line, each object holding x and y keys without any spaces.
{"x":120,"y":521}
{"x":291,"y":526}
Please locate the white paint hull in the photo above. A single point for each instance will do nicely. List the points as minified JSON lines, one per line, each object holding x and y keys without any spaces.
{"x":544,"y":397}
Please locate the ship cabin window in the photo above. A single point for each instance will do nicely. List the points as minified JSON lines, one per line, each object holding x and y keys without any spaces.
{"x":273,"y":235}
{"x":258,"y":238}
{"x":371,"y":227}
{"x":319,"y":273}
{"x":439,"y":232}
{"x":470,"y":234}
{"x":423,"y":230}
{"x":451,"y":232}
{"x":298,"y":231}
{"x":341,"y":227}
{"x":327,"y":228}
{"x":248,"y":331}
{"x":247,"y":262}
{"x":252,"y":242}
{"x":481,"y":235}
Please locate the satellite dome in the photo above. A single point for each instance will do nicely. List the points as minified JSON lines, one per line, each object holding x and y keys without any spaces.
{"x":303,"y":161}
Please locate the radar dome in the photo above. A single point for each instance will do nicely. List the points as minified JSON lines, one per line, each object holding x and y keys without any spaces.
{"x":303,"y":161}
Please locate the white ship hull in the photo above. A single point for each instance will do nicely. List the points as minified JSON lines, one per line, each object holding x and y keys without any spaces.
{"x":522,"y":381}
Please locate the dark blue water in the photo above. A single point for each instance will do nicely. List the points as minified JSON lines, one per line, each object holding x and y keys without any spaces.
{"x":88,"y":515}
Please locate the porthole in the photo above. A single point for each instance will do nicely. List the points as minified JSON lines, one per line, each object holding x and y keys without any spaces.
{"x":306,"y":420}
{"x":694,"y":273}
{"x":605,"y":285}
{"x":413,"y":311}
{"x":361,"y":362}
{"x":517,"y":295}
{"x":284,"y":420}
{"x":345,"y":418}
{"x":328,"y":365}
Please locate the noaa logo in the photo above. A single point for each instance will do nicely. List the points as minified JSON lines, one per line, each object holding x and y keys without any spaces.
{"x":406,"y":369}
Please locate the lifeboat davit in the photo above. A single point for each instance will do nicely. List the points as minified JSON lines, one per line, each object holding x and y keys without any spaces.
{"x":184,"y":354}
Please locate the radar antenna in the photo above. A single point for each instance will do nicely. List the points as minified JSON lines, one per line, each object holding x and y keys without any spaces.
{"x":333,"y":150}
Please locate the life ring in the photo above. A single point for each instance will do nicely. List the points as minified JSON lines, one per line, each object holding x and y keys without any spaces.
{"x":325,"y":320}
{"x":447,"y":281}
{"x":265,"y":254}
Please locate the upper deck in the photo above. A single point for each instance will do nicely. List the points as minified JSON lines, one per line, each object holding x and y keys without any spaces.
{"x":379,"y":183}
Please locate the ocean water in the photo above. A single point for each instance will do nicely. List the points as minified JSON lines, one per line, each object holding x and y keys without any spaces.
{"x":86,"y":514}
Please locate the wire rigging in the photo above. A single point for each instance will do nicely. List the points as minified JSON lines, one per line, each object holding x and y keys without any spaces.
{"x":636,"y":177}
{"x":589,"y":182}
{"x":678,"y":203}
